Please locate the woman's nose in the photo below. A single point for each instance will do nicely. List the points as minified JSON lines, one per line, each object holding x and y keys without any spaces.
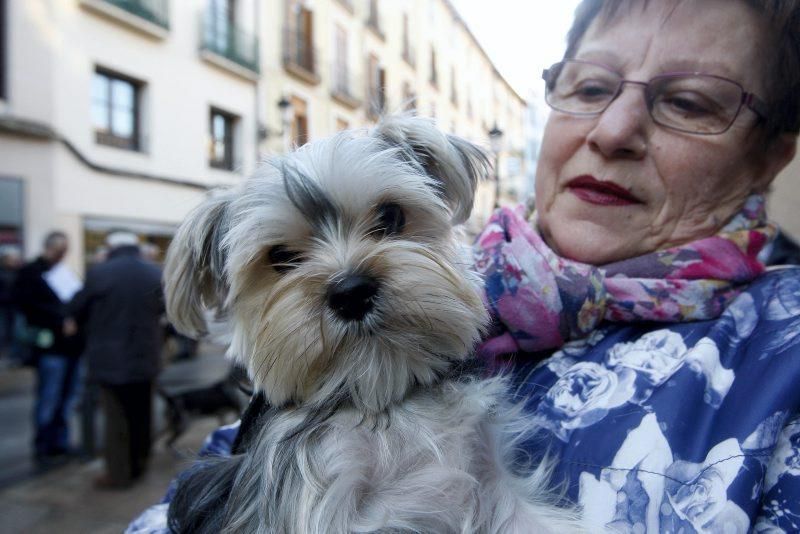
{"x":622,"y":130}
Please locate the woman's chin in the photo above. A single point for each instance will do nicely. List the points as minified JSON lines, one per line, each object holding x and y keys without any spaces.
{"x":586,"y":242}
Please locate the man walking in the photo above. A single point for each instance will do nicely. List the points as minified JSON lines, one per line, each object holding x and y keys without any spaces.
{"x":119,"y":309}
{"x":40,"y":292}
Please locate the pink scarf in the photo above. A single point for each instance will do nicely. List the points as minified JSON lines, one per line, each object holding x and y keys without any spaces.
{"x":539,"y":300}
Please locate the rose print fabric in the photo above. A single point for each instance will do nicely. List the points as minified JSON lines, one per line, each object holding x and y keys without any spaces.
{"x":688,"y":427}
{"x":539,"y":300}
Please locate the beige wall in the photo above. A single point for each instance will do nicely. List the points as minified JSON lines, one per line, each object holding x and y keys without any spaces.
{"x":54,"y":47}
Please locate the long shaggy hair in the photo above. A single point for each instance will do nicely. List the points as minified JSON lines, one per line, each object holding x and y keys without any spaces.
{"x":353,"y":309}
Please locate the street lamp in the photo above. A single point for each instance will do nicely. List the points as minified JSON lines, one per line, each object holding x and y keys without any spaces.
{"x":496,"y":142}
{"x":286,"y":113}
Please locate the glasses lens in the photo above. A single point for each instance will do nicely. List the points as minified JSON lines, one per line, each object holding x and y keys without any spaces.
{"x":581,"y":88}
{"x":694,"y":103}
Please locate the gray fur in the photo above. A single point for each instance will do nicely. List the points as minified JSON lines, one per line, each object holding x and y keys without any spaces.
{"x":371,"y":432}
{"x":455,"y":163}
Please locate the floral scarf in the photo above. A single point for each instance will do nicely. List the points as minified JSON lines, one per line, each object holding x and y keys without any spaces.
{"x":539,"y":300}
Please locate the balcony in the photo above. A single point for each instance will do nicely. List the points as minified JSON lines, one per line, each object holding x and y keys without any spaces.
{"x":300,"y":56}
{"x":230,"y":47}
{"x":342,"y":85}
{"x":154,"y":11}
{"x":147,"y":16}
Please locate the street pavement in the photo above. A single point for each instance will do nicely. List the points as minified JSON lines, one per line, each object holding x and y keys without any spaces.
{"x":63,"y":499}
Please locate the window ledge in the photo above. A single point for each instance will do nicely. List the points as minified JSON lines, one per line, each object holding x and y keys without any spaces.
{"x":117,"y":14}
{"x":231,"y":66}
{"x":300,"y":72}
{"x":345,"y":98}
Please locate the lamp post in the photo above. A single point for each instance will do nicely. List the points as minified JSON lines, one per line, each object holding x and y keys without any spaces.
{"x":496,"y":142}
{"x":285,"y":108}
{"x":286,"y":112}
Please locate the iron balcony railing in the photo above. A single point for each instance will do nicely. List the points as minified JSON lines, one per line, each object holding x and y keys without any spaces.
{"x":298,"y":52}
{"x":155,"y":11}
{"x":224,"y":38}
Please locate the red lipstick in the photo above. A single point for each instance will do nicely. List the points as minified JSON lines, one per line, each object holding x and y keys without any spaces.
{"x":591,"y":190}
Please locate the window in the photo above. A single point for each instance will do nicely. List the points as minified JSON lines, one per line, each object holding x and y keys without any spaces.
{"x":221,"y":21}
{"x":341,"y":77}
{"x":12,"y":212}
{"x":376,"y":104}
{"x":115,"y":110}
{"x":434,"y":77}
{"x":409,"y":97}
{"x":221,"y":147}
{"x":407,"y":54}
{"x":453,"y":88}
{"x":3,"y":51}
{"x":300,"y":121}
{"x":374,"y":18}
{"x":299,"y":53}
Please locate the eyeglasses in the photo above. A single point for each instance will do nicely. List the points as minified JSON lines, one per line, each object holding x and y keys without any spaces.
{"x":690,"y":102}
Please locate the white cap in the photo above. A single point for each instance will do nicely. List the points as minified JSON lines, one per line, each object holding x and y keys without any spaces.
{"x":121,"y":238}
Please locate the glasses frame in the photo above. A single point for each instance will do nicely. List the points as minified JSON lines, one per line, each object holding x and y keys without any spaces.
{"x":748,"y":100}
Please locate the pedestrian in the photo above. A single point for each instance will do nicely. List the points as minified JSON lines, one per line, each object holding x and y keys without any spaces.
{"x":40,"y":293}
{"x":119,"y":310}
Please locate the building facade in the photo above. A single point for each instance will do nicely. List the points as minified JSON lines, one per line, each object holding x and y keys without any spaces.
{"x":125,"y":113}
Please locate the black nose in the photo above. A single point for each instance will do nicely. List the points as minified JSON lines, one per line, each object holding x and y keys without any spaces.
{"x":353,"y":297}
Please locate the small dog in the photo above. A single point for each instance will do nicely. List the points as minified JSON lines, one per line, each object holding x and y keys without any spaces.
{"x":352,"y":308}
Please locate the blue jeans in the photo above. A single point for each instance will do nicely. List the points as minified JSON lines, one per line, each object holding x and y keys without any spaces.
{"x":57,"y":390}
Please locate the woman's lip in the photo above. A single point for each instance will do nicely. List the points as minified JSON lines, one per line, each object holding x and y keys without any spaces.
{"x":590,"y":189}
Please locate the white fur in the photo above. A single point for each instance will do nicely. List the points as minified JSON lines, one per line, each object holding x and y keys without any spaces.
{"x":366,"y":433}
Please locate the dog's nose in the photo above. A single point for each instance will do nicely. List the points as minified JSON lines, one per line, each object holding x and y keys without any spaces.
{"x":353,"y":297}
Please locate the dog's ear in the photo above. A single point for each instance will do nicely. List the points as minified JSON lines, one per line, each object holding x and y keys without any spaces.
{"x":455,"y":163}
{"x":194,"y":277}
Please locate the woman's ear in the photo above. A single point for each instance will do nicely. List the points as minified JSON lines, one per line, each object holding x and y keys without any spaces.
{"x":454,"y":163}
{"x":774,"y":159}
{"x":194,"y":278}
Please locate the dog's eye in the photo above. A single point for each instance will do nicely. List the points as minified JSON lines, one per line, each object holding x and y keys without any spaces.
{"x":391,"y":219}
{"x":282,"y":259}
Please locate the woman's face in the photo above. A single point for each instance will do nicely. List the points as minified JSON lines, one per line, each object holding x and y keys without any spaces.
{"x":681,"y":187}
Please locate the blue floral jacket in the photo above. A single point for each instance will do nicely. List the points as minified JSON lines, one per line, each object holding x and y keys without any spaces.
{"x":689,"y":427}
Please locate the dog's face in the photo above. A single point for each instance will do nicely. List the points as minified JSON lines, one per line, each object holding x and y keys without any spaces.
{"x":337,"y":266}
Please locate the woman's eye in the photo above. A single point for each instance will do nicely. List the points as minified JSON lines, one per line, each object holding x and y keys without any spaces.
{"x":391,"y":219}
{"x":592,"y":90}
{"x":688,"y":104}
{"x":282,"y":259}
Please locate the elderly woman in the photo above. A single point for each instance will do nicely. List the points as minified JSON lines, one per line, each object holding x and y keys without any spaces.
{"x":672,"y":400}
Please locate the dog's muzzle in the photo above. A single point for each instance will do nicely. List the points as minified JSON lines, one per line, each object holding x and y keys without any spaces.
{"x":353,"y":297}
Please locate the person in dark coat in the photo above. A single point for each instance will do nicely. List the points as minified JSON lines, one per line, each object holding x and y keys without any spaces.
{"x":119,"y":310}
{"x":40,"y":297}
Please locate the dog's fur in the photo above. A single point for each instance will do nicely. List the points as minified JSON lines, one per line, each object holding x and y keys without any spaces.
{"x":370,"y":429}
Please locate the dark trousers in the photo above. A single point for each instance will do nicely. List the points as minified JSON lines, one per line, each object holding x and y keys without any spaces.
{"x":58,"y":382}
{"x":128,"y":414}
